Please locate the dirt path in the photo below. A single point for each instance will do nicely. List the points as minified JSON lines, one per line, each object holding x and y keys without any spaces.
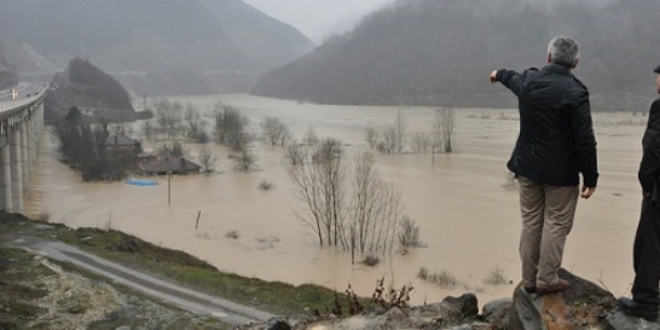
{"x":194,"y":301}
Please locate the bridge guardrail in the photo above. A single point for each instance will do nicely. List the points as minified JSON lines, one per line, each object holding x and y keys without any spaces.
{"x":12,"y":107}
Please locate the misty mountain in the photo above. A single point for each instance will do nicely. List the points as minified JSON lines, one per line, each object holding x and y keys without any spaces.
{"x":91,"y":90}
{"x":8,"y":74}
{"x":156,"y":37}
{"x":430,"y":52}
{"x":266,"y":42}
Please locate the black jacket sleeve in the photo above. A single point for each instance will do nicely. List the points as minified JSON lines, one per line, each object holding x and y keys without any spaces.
{"x":584,"y":140}
{"x":511,"y":80}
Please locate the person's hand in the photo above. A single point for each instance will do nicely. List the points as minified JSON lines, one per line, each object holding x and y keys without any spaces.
{"x":587,"y":192}
{"x":493,"y":77}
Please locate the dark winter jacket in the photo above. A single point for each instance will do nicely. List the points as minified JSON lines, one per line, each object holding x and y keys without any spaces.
{"x":649,"y":169}
{"x":556,"y":141}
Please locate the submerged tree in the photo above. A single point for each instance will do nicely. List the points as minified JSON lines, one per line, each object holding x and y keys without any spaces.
{"x":231,"y":127}
{"x":444,"y":125}
{"x":346,"y":210}
{"x":320,"y":182}
{"x":83,"y":147}
{"x":207,"y":159}
{"x":274,"y":131}
{"x":375,"y":208}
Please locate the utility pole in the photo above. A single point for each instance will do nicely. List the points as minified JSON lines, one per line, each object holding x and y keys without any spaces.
{"x":169,"y":188}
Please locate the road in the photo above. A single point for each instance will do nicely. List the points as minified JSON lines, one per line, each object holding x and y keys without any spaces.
{"x":26,"y":91}
{"x":193,"y":301}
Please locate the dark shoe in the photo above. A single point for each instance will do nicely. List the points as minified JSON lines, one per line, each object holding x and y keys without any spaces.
{"x":633,"y":308}
{"x":560,"y":286}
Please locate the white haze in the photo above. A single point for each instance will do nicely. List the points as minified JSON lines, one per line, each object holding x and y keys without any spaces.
{"x":318,"y":19}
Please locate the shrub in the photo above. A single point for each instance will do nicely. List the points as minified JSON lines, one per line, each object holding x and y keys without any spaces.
{"x":371,"y":261}
{"x":265,"y":185}
{"x":233,"y":234}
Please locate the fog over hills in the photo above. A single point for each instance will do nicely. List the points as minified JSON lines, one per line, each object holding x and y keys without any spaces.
{"x":8,"y":74}
{"x":134,"y":39}
{"x":431,"y":52}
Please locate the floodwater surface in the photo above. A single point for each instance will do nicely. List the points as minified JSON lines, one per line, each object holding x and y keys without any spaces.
{"x":469,"y":223}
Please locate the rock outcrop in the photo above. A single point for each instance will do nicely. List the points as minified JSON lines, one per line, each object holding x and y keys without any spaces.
{"x":585,"y":306}
{"x":86,"y":87}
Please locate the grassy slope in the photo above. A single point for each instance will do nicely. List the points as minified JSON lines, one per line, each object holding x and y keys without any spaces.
{"x":275,"y":297}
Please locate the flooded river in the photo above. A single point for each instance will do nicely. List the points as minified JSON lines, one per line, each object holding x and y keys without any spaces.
{"x":468,"y":221}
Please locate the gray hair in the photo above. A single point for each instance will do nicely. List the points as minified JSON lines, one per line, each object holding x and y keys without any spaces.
{"x":564,"y":51}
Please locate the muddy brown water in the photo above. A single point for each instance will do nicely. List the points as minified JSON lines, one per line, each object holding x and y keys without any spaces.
{"x":468,"y":221}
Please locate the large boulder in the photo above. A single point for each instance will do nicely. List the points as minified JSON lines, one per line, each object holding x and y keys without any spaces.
{"x":584,"y":306}
{"x":497,"y":313}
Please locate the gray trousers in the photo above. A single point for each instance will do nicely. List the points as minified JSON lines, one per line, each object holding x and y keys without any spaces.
{"x":547,"y":219}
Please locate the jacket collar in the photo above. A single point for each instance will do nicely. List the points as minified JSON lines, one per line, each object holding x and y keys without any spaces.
{"x":558,"y":68}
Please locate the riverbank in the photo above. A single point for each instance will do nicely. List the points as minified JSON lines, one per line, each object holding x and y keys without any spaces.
{"x":176,"y":266}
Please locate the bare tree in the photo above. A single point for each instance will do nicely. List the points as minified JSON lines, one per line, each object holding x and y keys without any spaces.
{"x":294,"y":153}
{"x":367,"y":221}
{"x":310,"y":138}
{"x":447,"y":122}
{"x":400,"y":126}
{"x":168,"y":117}
{"x":195,"y":125}
{"x":274,"y":131}
{"x":408,"y":234}
{"x":371,"y":136}
{"x":420,"y":142}
{"x":231,"y":127}
{"x":375,"y":209}
{"x":207,"y":159}
{"x":389,"y":142}
{"x":245,"y":161}
{"x":320,"y":183}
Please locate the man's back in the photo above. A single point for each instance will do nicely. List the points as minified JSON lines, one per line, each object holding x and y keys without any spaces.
{"x":556,"y":139}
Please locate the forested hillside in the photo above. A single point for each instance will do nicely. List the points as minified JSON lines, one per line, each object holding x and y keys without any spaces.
{"x":431,"y":52}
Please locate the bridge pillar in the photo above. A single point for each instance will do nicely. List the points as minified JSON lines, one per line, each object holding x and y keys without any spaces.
{"x":25,"y":161}
{"x":5,"y":166}
{"x":16,"y":170}
{"x":34,"y":138}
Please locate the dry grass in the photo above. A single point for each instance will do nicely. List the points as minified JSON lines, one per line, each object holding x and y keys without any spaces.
{"x":267,"y":242}
{"x":496,"y":277}
{"x":443,"y":279}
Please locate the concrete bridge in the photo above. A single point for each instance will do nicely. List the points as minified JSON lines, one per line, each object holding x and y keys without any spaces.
{"x":21,"y":125}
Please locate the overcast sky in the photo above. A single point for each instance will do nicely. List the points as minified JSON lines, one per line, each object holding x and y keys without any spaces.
{"x":318,"y":18}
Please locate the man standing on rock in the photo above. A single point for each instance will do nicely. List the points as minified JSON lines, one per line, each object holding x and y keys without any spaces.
{"x":646,"y":253}
{"x":556,"y":144}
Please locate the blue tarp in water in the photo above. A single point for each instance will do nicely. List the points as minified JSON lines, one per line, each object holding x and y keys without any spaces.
{"x":142,"y":183}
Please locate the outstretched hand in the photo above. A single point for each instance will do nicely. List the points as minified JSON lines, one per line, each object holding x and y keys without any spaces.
{"x":493,"y":77}
{"x":587,"y":192}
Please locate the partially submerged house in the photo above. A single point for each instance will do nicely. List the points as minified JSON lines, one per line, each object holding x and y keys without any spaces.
{"x":122,"y":144}
{"x":174,"y":165}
